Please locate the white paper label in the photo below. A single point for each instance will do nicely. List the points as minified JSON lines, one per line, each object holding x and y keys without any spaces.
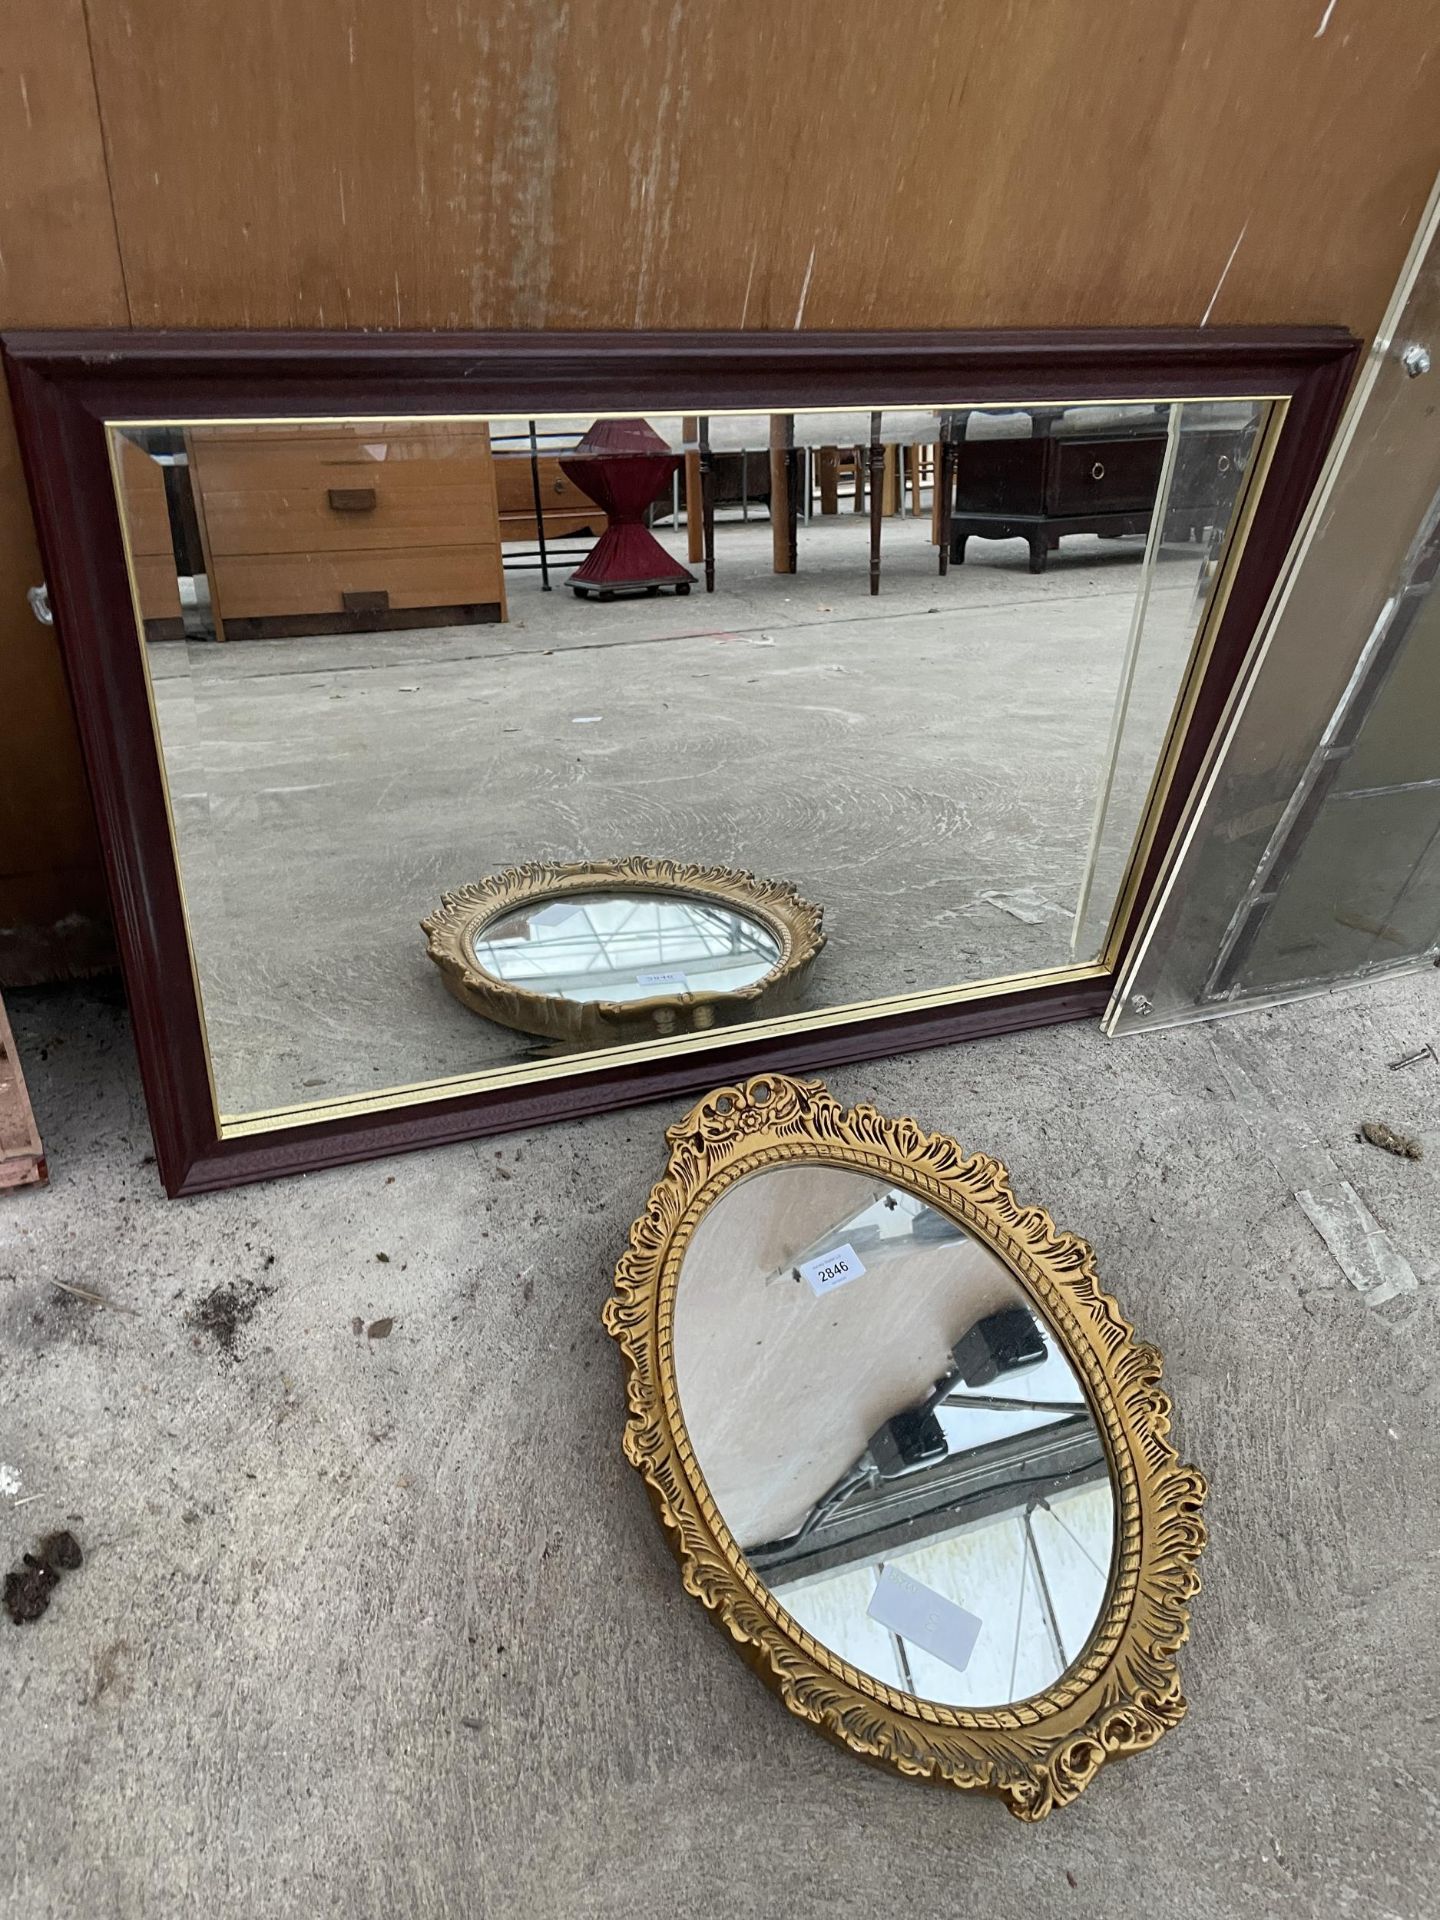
{"x":917,"y":1613}
{"x":659,"y":979}
{"x":830,"y":1270}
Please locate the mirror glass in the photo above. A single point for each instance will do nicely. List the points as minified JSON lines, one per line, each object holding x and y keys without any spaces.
{"x":626,"y":946}
{"x":894,"y":1435}
{"x":921,"y":665}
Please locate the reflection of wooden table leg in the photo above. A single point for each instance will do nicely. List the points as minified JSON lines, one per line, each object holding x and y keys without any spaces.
{"x":877,"y":499}
{"x":694,"y":510}
{"x":707,"y":500}
{"x":197,"y":497}
{"x":782,"y":501}
{"x":796,"y":459}
{"x":829,"y":465}
{"x":945,"y":490}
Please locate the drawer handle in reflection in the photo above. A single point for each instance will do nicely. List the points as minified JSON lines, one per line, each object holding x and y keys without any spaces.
{"x":351,"y":499}
{"x":1097,"y":472}
{"x":369,"y":601}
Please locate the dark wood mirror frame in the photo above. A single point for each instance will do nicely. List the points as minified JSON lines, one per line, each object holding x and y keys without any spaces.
{"x":66,"y":386}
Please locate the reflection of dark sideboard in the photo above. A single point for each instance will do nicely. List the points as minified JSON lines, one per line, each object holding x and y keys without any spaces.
{"x":1102,"y":480}
{"x":736,"y":480}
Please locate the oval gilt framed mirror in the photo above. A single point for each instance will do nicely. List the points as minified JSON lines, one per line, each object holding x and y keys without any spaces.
{"x":593,"y":950}
{"x":906,"y":1448}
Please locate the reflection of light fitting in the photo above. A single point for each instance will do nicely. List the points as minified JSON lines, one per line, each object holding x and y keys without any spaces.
{"x":907,"y":1441}
{"x":1007,"y":1341}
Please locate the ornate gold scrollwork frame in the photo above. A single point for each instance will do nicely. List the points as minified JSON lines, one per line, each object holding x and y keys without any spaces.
{"x":1124,"y":1691}
{"x":795,"y":924}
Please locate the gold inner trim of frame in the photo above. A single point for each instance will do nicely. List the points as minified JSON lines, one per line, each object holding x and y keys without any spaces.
{"x":235,"y":1126}
{"x":1123,"y":1691}
{"x":263,"y":1120}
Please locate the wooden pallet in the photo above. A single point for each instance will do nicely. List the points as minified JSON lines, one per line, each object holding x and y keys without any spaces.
{"x":22,"y":1158}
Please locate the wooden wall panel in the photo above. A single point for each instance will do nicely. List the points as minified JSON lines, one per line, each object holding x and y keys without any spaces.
{"x":622,"y":163}
{"x":59,"y":265}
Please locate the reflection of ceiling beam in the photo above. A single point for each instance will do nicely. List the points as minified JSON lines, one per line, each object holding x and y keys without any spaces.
{"x":702,"y":943}
{"x":933,"y":1504}
{"x":697,"y":968}
{"x":918,"y":1225}
{"x":635,"y":950}
{"x":743,"y":937}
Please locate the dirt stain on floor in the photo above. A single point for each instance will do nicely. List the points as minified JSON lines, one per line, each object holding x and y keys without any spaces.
{"x":1379,"y":1135}
{"x":224,"y":1313}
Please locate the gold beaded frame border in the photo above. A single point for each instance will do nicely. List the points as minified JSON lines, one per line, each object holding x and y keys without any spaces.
{"x":1124,"y":1691}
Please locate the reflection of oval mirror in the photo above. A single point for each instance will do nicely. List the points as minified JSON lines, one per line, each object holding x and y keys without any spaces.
{"x":905,"y":1445}
{"x":585,"y":952}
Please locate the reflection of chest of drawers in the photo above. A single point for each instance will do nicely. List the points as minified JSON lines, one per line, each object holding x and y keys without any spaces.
{"x":337,"y":528}
{"x":1101,"y":481}
{"x":566,"y":510}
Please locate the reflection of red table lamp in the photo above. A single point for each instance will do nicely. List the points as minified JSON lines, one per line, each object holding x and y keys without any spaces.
{"x":623,"y":465}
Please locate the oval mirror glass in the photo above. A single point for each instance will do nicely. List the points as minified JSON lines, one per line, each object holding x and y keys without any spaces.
{"x":625,"y":947}
{"x":893,"y":1435}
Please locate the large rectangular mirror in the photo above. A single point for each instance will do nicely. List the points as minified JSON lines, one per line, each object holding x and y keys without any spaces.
{"x":518,"y":745}
{"x":918,"y":665}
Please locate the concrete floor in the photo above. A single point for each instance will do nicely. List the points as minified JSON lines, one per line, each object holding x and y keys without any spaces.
{"x":377,"y":1626}
{"x":919,"y":764}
